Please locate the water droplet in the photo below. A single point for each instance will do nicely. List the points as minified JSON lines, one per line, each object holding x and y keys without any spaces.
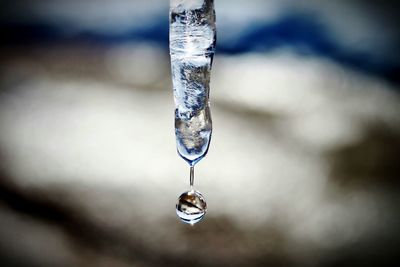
{"x":191,"y":207}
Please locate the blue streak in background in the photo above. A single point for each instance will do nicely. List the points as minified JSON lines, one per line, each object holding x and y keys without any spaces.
{"x":300,"y":32}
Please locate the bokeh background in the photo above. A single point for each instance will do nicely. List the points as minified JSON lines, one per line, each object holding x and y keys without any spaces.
{"x":303,"y":168}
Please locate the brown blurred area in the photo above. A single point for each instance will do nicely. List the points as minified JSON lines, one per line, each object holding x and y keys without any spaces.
{"x":302,"y":170}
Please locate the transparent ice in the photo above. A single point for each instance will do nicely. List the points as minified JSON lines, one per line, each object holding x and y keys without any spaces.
{"x":192,"y":45}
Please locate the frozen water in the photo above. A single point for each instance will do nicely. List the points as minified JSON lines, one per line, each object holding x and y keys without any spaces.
{"x":186,"y":4}
{"x":192,"y":45}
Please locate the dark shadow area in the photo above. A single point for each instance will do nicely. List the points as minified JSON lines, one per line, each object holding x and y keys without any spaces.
{"x":373,"y":161}
{"x":216,"y":242}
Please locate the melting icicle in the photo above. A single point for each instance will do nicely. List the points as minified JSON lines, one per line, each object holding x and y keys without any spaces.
{"x":192,"y":45}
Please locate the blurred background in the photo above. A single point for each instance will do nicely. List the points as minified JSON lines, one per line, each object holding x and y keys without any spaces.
{"x":303,"y":168}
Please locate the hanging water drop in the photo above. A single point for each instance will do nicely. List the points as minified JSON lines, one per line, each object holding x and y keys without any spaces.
{"x":191,"y":207}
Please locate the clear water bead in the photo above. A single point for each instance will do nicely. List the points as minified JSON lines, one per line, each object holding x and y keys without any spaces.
{"x":191,"y":207}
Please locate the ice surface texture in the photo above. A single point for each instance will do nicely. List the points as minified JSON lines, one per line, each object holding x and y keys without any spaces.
{"x":192,"y":46}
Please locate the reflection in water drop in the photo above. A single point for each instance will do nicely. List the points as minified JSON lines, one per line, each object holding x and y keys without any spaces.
{"x":191,"y":207}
